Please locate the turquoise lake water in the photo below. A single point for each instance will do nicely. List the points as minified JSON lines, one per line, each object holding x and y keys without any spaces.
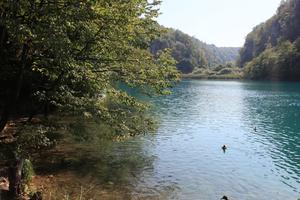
{"x":184,"y":159}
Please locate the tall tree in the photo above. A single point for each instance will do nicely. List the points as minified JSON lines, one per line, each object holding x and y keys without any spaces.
{"x":68,"y":56}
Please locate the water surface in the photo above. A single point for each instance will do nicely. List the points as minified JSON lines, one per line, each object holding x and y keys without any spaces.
{"x":184,"y":159}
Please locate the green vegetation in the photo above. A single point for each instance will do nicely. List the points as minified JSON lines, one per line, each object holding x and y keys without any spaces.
{"x":279,"y":63}
{"x":27,"y":171}
{"x":271,"y":50}
{"x":220,"y":72}
{"x":63,"y":64}
{"x":65,"y":59}
{"x":190,"y":53}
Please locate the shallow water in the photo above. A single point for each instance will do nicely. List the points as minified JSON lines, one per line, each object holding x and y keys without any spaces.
{"x":184,"y":160}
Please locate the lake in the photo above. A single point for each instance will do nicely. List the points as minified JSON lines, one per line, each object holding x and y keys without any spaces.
{"x":184,"y":159}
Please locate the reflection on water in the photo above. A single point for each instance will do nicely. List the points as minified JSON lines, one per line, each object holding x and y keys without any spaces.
{"x":184,"y":160}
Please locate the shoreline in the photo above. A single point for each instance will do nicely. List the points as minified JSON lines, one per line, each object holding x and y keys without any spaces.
{"x":213,"y":77}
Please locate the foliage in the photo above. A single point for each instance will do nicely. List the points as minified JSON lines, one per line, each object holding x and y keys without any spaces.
{"x":65,"y":59}
{"x":279,"y":63}
{"x":191,"y":53}
{"x":270,"y":50}
{"x":65,"y":56}
{"x":227,"y":71}
{"x":27,"y":171}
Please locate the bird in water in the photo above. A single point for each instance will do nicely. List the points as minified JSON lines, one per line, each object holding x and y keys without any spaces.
{"x":255,"y":129}
{"x":224,"y":148}
{"x":224,"y":198}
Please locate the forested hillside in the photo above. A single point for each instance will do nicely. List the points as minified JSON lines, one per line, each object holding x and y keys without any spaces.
{"x":190,"y":52}
{"x":272,"y":49}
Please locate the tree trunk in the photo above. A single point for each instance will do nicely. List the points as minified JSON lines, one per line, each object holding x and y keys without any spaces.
{"x":10,"y":107}
{"x":2,"y":38}
{"x":4,"y":119}
{"x":15,"y":179}
{"x":4,"y":195}
{"x":5,"y":115}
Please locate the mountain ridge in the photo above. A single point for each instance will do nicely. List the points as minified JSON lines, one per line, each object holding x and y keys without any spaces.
{"x":190,"y":52}
{"x":272,"y":49}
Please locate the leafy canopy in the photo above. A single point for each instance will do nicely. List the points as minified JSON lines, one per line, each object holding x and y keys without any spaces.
{"x":69,"y":56}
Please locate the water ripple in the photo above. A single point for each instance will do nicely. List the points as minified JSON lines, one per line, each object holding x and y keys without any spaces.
{"x":200,"y":116}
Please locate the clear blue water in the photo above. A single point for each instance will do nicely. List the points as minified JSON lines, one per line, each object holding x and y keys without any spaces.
{"x":184,"y":159}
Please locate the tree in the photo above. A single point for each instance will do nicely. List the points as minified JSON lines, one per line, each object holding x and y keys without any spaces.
{"x":190,"y":52}
{"x":66,"y":57}
{"x":277,"y":63}
{"x":283,"y":26}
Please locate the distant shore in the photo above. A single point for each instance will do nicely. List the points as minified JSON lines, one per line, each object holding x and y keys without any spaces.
{"x":213,"y":77}
{"x":216,"y":73}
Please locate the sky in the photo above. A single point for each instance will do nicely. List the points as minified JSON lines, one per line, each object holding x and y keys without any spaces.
{"x":224,"y":23}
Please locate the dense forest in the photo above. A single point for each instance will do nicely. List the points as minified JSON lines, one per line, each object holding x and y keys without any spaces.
{"x":190,"y":52}
{"x":272,"y":49}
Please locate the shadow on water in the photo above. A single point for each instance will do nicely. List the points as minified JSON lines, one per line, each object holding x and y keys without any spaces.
{"x":107,"y":168}
{"x":110,"y":166}
{"x":114,"y":170}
